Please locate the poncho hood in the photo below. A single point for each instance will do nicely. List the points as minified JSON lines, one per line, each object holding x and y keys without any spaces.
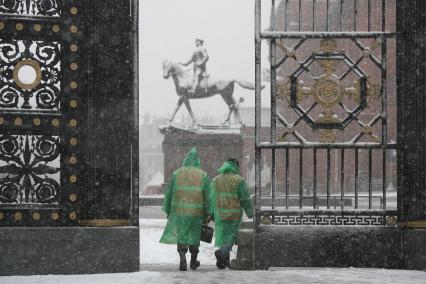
{"x":229,"y":168}
{"x":192,"y":159}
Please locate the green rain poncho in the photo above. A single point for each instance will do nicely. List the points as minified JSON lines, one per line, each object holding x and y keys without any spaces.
{"x":229,"y":196}
{"x":185,"y":203}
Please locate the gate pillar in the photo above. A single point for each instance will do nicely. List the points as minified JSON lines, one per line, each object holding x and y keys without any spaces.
{"x":68,"y":137}
{"x":411,"y":67}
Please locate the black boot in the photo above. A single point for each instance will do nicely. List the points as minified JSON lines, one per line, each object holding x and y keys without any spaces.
{"x":226,"y":261}
{"x":182,"y":254}
{"x":194,"y":264}
{"x":219,"y":260}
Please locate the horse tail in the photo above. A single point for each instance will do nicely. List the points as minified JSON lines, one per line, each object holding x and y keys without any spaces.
{"x":246,"y":84}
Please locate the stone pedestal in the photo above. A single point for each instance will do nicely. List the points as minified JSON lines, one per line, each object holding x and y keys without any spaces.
{"x":214,"y":145}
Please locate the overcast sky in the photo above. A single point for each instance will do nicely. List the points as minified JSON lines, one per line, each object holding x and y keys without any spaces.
{"x":168,"y":29}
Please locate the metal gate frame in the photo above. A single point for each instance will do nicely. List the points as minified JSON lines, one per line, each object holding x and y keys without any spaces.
{"x":267,"y":217}
{"x":94,"y":216}
{"x":92,"y":183}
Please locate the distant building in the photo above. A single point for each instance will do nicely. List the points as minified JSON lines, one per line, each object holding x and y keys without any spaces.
{"x":151,"y":154}
{"x":154,"y":186}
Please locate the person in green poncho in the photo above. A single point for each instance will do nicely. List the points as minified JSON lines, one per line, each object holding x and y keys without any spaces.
{"x":229,"y":196}
{"x":186,"y":206}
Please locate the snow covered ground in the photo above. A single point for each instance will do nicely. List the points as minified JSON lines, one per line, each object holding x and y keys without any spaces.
{"x":159,"y":264}
{"x":211,"y":275}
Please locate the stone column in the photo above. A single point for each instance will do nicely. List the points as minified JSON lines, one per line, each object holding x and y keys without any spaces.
{"x":94,"y":226}
{"x":411,"y":77}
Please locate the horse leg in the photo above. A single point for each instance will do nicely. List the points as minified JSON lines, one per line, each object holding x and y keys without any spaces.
{"x":233,"y":106}
{"x":238,"y":115}
{"x":180,"y":102}
{"x":227,"y":97}
{"x":188,"y":107}
{"x":228,"y":119}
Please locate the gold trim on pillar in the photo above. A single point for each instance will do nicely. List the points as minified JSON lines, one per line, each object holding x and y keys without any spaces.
{"x":74,"y":11}
{"x":56,"y":28}
{"x":414,"y":225}
{"x":266,"y":220}
{"x":105,"y":223}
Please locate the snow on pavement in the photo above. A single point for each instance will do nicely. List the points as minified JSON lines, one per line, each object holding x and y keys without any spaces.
{"x":211,"y":275}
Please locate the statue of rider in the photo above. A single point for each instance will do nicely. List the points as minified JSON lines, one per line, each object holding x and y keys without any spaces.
{"x":199,"y":58}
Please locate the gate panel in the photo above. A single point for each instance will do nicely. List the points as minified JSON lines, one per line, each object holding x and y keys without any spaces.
{"x":39,"y":113}
{"x":330,"y":109}
{"x":68,"y":113}
{"x":332,"y":144}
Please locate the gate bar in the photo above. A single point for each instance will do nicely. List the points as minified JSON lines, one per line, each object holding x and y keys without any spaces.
{"x":274,"y":178}
{"x":313,"y":14}
{"x":296,"y":145}
{"x":273,"y":83}
{"x":369,"y":15}
{"x":355,"y":14}
{"x":287,"y":182}
{"x":300,"y":15}
{"x":273,"y":61}
{"x":328,"y":179}
{"x":383,"y":15}
{"x":384,"y":102}
{"x":258,"y":108}
{"x":342,"y":178}
{"x":327,"y":16}
{"x":370,"y":178}
{"x":341,"y":15}
{"x":315,"y":178}
{"x":286,"y":16}
{"x":356,"y":177}
{"x":301,"y":178}
{"x":317,"y":35}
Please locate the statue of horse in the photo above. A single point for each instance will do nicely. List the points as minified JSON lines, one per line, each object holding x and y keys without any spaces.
{"x":208,"y":87}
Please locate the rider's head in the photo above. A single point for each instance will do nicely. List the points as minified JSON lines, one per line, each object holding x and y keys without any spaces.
{"x":199,"y":42}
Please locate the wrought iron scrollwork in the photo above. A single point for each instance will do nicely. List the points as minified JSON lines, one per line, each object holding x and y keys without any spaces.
{"x":44,"y":58}
{"x":328,"y":92}
{"x":49,"y":8}
{"x":328,"y":89}
{"x":29,"y":169}
{"x":10,"y":6}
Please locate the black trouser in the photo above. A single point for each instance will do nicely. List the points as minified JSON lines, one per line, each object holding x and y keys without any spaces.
{"x":184,"y":249}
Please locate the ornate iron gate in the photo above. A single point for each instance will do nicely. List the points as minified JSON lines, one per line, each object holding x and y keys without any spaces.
{"x":333,"y":120}
{"x":39,"y":112}
{"x":68,"y":97}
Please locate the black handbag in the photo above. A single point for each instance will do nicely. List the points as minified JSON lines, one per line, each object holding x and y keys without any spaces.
{"x":207,"y":233}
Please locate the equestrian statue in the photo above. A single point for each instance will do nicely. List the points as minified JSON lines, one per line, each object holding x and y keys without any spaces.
{"x":200,"y":85}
